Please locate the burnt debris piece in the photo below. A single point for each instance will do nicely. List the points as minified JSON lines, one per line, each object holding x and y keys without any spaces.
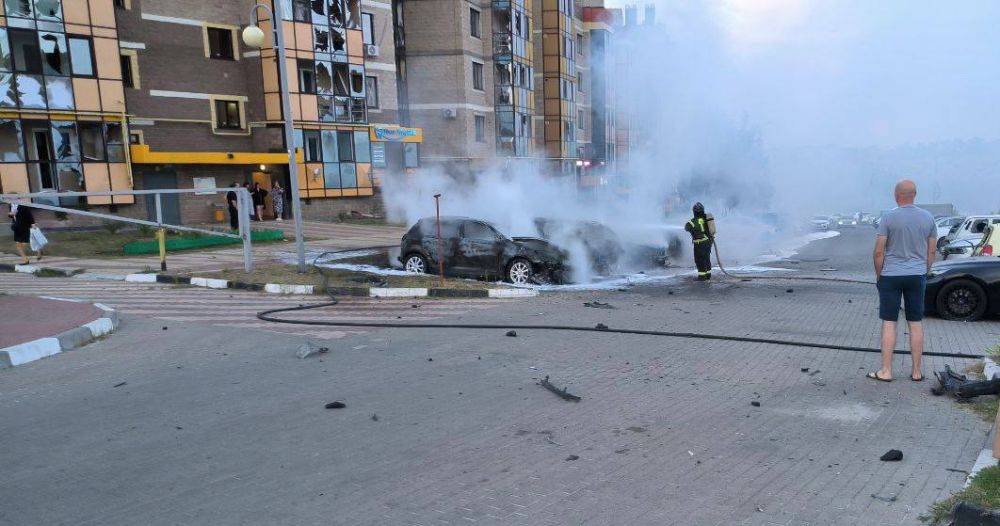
{"x":512,"y":334}
{"x":336,"y":405}
{"x":310,"y":349}
{"x":561,"y":393}
{"x":601,"y":327}
{"x":755,"y":403}
{"x":959,"y":385}
{"x":598,"y":305}
{"x":893,"y":455}
{"x":967,"y":514}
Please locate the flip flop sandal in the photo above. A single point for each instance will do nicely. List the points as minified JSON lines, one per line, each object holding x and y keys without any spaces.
{"x":921,"y":379}
{"x":874,"y":376}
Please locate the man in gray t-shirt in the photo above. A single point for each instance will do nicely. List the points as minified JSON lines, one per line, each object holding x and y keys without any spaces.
{"x":904,"y":253}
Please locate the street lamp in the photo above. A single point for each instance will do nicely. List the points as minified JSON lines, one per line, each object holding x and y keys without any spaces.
{"x":253,"y":36}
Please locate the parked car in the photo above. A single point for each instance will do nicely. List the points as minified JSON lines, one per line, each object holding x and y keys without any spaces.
{"x":474,"y":248}
{"x":990,"y":245}
{"x":944,"y":225}
{"x":963,"y":237}
{"x":966,"y":289}
{"x":821,"y":222}
{"x":605,"y":249}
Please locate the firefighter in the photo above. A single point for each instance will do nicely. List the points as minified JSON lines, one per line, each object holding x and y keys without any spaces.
{"x":702,"y":230}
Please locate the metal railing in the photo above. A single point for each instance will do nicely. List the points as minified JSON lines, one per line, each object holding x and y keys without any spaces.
{"x":244,"y":204}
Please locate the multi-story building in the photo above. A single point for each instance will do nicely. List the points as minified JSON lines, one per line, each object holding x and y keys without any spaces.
{"x":197,"y":107}
{"x":62,"y":106}
{"x":560,"y":46}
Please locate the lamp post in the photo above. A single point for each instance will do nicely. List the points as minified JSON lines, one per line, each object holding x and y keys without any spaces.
{"x":254,"y":37}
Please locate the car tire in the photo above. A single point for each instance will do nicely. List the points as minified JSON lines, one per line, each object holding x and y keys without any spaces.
{"x":416,"y":264}
{"x":961,"y":300}
{"x":519,"y":272}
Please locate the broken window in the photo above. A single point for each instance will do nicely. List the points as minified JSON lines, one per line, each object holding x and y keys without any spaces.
{"x":324,"y":78}
{"x":5,"y":62}
{"x":20,"y":8}
{"x":312,"y":149}
{"x":325,"y":104}
{"x":70,"y":178}
{"x":50,"y":10}
{"x":91,"y":141}
{"x":505,"y":123}
{"x":11,"y":144}
{"x":338,"y":44}
{"x":358,"y":109}
{"x":371,"y":92}
{"x":353,"y":14}
{"x":502,"y":73}
{"x":301,"y":11}
{"x":319,"y":12}
{"x":8,"y":95}
{"x":24,"y":48}
{"x":342,"y":109}
{"x":517,"y":24}
{"x":340,"y":82}
{"x":357,"y":81}
{"x":307,"y":76}
{"x":53,"y":48}
{"x":114,"y":142}
{"x":337,"y":13}
{"x":59,"y":92}
{"x":321,"y":39}
{"x":82,"y":56}
{"x":30,"y":91}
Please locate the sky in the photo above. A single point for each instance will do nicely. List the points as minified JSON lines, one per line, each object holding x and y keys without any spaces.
{"x":849,"y":72}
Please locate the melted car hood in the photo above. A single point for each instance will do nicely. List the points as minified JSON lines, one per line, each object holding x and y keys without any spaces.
{"x":534,"y":242}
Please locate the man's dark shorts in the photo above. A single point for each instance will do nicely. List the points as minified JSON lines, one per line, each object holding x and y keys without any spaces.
{"x":908,"y":288}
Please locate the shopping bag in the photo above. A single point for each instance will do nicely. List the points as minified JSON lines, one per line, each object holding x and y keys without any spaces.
{"x":38,"y":239}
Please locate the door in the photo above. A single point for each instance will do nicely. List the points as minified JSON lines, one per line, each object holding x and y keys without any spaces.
{"x":478,"y":249}
{"x":264,"y":179}
{"x":166,"y":179}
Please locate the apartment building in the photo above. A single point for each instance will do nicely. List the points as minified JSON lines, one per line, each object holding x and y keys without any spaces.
{"x":150,"y":94}
{"x":62,"y":105}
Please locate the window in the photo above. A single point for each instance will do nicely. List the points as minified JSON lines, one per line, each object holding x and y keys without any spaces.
{"x":227,"y":115}
{"x":371,"y":92}
{"x":345,"y":146}
{"x":82,"y":56}
{"x":301,"y":11}
{"x":478,"y":231}
{"x":567,"y":47}
{"x":311,"y":148}
{"x":474,"y":25}
{"x":25,"y":51}
{"x":220,"y":43}
{"x":120,"y":3}
{"x":579,"y":44}
{"x":130,"y":68}
{"x":135,"y":137}
{"x":368,"y":28}
{"x":307,"y":76}
{"x":480,"y":128}
{"x":579,"y":120}
{"x":579,"y":82}
{"x":127,"y":71}
{"x":362,"y":148}
{"x":114,"y":143}
{"x":477,"y":76}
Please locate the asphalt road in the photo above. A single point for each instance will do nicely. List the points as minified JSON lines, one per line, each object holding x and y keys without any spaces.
{"x":206,"y":424}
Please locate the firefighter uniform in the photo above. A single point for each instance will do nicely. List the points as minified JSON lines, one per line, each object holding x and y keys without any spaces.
{"x":701,"y":236}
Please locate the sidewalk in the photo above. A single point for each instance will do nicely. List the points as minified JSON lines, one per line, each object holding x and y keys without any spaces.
{"x":322,"y":236}
{"x":27,"y":318}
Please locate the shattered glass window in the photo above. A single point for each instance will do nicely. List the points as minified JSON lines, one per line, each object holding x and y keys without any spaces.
{"x":357,"y":81}
{"x":331,"y":175}
{"x":5,"y":63}
{"x":312,"y":148}
{"x":65,"y":141}
{"x":19,"y":8}
{"x":319,"y":12}
{"x":340,"y":82}
{"x":91,"y":141}
{"x":286,"y":9}
{"x":342,"y":109}
{"x":115,"y":143}
{"x":30,"y":91}
{"x":348,"y":175}
{"x":53,"y":47}
{"x":321,"y":39}
{"x":336,"y":12}
{"x":8,"y":96}
{"x":338,"y":43}
{"x":25,"y":51}
{"x":353,"y":14}
{"x":324,"y":79}
{"x":70,"y":177}
{"x":11,"y":142}
{"x":59,"y":91}
{"x":326,"y":113}
{"x":48,"y":10}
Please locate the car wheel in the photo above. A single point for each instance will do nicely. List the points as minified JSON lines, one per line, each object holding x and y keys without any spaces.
{"x":961,"y":300}
{"x":416,"y":264}
{"x":519,"y":272}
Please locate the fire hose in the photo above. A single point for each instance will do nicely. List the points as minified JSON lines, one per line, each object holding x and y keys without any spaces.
{"x":268,"y":316}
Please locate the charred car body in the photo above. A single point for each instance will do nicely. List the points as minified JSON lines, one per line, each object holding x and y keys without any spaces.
{"x":605,"y":249}
{"x":474,"y":248}
{"x":964,"y":289}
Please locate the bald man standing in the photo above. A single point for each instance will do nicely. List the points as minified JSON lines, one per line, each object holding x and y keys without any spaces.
{"x":904,"y":253}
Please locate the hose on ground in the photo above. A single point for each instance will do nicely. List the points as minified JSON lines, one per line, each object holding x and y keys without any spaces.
{"x":722,"y":268}
{"x":268,"y":316}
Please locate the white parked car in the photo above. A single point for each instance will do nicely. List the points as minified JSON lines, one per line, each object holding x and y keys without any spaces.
{"x":821,"y":222}
{"x":963,"y":237}
{"x":944,"y":225}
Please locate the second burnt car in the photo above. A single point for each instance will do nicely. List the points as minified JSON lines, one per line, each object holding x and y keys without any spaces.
{"x":605,"y":249}
{"x":475,"y":248}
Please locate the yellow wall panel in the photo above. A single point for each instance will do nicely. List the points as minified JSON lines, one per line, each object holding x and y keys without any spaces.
{"x":14,"y":178}
{"x":293,"y":74}
{"x":314,"y":173}
{"x":75,"y":12}
{"x":78,"y":29}
{"x":102,"y":13}
{"x":293,"y":99}
{"x":112,"y":95}
{"x":106,"y":53}
{"x":87,"y":96}
{"x":105,"y":32}
{"x":303,"y":36}
{"x":96,"y":179}
{"x":310,"y":108}
{"x":334,"y":193}
{"x":121,"y":180}
{"x":355,"y":43}
{"x":272,"y":104}
{"x":315,"y":193}
{"x":303,"y":177}
{"x":364,"y":174}
{"x":365,"y":191}
{"x":269,"y":69}
{"x":349,"y":192}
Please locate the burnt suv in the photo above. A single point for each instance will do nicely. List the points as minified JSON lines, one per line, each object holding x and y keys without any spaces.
{"x":474,"y":248}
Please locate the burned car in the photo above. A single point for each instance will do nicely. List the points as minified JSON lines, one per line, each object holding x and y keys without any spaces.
{"x":606,"y":250}
{"x":964,"y":289}
{"x":474,"y":248}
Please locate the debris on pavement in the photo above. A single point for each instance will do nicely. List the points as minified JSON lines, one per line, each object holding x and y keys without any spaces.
{"x":561,"y":393}
{"x":598,"y":305}
{"x":814,"y":373}
{"x":374,"y":417}
{"x":119,"y":384}
{"x":512,"y":334}
{"x":789,"y":291}
{"x":828,"y":269}
{"x":601,"y":327}
{"x":755,"y":403}
{"x":890,"y":498}
{"x":336,"y":405}
{"x":572,"y":457}
{"x":805,"y":369}
{"x":310,"y":349}
{"x":893,"y":455}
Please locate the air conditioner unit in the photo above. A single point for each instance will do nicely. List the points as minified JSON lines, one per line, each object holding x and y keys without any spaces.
{"x":449,"y":113}
{"x":371,"y":50}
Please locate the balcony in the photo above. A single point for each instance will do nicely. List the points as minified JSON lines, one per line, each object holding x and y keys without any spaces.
{"x":501,"y":5}
{"x":503,"y":48}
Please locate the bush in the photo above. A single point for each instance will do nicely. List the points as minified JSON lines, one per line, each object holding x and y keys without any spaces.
{"x":145,"y":230}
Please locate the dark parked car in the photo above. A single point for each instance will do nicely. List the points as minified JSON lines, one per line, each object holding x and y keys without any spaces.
{"x":475,"y":248}
{"x":964,"y":289}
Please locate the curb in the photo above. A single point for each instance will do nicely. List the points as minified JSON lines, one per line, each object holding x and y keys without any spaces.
{"x":990,"y":368}
{"x":65,"y":341}
{"x":280,"y":288}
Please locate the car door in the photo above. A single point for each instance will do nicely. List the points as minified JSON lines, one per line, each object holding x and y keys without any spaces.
{"x":478,"y":248}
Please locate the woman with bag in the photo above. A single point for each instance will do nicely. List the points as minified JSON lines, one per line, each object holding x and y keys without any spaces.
{"x":24,"y":220}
